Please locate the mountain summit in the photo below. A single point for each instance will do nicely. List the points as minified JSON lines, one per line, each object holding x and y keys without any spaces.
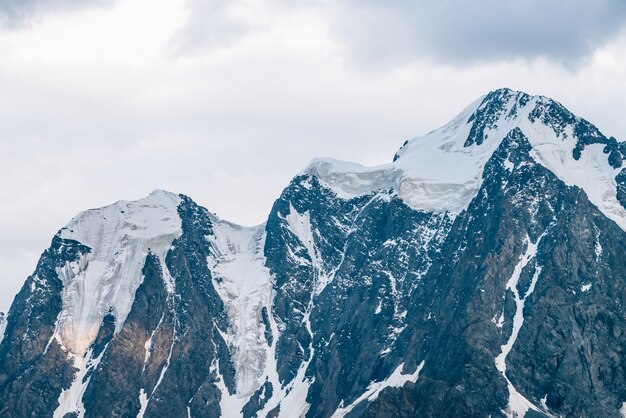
{"x":443,"y":170}
{"x":480,"y":273}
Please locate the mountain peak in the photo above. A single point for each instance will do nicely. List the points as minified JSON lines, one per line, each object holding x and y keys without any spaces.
{"x":496,"y":106}
{"x":120,"y":236}
{"x":163,"y":194}
{"x":442,"y":171}
{"x":334,"y":304}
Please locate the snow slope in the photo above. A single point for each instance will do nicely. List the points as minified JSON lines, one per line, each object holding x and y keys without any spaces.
{"x":71,"y":399}
{"x":120,"y":236}
{"x":395,"y":380}
{"x":519,"y":405}
{"x":441,"y":172}
{"x":243,"y":283}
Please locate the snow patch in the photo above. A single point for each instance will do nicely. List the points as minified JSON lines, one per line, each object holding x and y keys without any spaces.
{"x":499,"y":321}
{"x":294,"y":403}
{"x":585,"y":287}
{"x":166,"y":366}
{"x":348,"y":180}
{"x":143,"y":402}
{"x":395,"y":380}
{"x":518,"y":404}
{"x":598,"y":246}
{"x":230,"y":405}
{"x":300,"y":225}
{"x":271,"y":367}
{"x":591,"y":172}
{"x":379,"y":306}
{"x":149,"y":343}
{"x":71,"y":399}
{"x":244,"y":284}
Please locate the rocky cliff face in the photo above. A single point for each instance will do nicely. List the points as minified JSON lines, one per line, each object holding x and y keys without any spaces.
{"x":479,"y":274}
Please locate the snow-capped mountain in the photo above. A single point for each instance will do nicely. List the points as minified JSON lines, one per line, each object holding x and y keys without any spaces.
{"x":480,"y":273}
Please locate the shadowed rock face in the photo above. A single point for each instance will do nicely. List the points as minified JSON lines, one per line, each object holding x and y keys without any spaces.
{"x":33,"y":368}
{"x":170,"y":338}
{"x":515,"y":305}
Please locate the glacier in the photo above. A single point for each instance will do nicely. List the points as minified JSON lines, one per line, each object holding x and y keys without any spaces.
{"x":105,"y":280}
{"x":439,"y":172}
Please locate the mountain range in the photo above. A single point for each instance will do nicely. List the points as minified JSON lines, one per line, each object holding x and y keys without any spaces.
{"x":481,"y":273}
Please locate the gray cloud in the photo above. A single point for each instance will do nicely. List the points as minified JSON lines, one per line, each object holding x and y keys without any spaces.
{"x":16,"y":13}
{"x":210,"y":25}
{"x":387,"y":33}
{"x":469,"y":31}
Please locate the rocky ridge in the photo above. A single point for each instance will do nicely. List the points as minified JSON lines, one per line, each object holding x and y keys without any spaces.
{"x":478,"y":274}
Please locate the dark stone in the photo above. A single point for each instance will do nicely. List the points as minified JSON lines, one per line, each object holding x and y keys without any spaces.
{"x":33,"y":367}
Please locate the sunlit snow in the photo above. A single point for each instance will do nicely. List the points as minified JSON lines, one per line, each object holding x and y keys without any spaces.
{"x":120,"y":236}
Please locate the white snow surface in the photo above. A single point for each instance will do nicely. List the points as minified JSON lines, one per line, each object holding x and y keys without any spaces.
{"x":395,"y":380}
{"x":518,"y":404}
{"x":438,"y":173}
{"x":71,"y":399}
{"x":143,"y":402}
{"x":120,"y":237}
{"x":230,"y":404}
{"x":243,"y":282}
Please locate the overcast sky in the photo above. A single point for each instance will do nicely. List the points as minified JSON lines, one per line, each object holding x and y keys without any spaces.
{"x":227,"y":100}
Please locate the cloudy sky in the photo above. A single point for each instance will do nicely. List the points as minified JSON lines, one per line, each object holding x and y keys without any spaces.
{"x":226,"y":101}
